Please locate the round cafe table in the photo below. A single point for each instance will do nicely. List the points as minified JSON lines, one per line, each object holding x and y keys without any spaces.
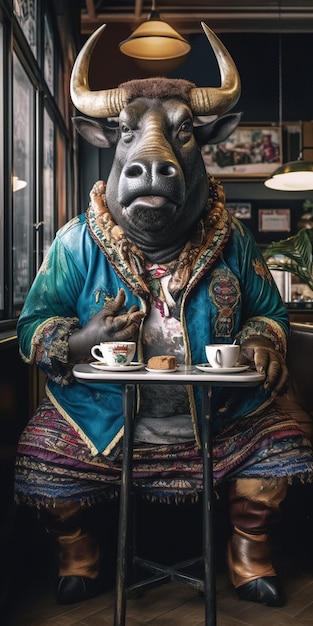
{"x":130,"y":378}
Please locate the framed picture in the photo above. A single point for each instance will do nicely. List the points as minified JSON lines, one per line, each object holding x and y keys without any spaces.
{"x":274,"y":220}
{"x":242,"y":210}
{"x":249,"y":151}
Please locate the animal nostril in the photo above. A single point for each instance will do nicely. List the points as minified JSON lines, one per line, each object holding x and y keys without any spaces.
{"x":166,"y":169}
{"x":135,"y":170}
{"x":155,"y":169}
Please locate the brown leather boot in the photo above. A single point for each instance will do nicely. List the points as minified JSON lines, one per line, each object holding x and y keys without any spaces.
{"x":78,"y":554}
{"x":254,"y":508}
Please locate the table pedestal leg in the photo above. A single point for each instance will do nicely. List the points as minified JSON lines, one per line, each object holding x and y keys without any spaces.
{"x":208,"y":495}
{"x":129,"y":396}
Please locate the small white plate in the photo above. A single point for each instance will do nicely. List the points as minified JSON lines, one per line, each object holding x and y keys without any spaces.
{"x":98,"y":365}
{"x":164,"y":371}
{"x":205,"y":367}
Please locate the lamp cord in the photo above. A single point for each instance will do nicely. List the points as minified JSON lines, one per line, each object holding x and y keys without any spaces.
{"x":280,"y":83}
{"x":280,"y":71}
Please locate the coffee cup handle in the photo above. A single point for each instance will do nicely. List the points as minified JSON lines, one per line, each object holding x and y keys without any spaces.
{"x":218,"y":357}
{"x":94,"y":353}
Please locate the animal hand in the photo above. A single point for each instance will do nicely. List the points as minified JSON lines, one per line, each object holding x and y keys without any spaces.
{"x":107,"y":325}
{"x":259,"y":353}
{"x":119,"y":327}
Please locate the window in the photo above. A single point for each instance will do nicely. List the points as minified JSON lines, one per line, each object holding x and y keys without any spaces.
{"x":37,"y":151}
{"x":48,"y":55}
{"x":25,"y":12}
{"x":48,"y":183}
{"x":1,"y":183}
{"x":23,"y":197}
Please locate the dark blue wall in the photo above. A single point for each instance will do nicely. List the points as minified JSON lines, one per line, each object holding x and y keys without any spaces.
{"x":257,"y":57}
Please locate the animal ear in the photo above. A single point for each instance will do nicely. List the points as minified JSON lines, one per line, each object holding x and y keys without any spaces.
{"x":96,"y":133}
{"x":218,"y":130}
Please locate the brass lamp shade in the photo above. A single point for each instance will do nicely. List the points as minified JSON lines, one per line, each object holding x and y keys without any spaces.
{"x":292,"y":176}
{"x":155,"y":40}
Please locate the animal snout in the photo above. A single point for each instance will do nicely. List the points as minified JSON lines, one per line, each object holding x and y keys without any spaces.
{"x":159,"y":177}
{"x":151,"y":171}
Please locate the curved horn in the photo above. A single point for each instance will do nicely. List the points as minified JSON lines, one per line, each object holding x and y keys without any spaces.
{"x":104,"y":103}
{"x":218,"y":100}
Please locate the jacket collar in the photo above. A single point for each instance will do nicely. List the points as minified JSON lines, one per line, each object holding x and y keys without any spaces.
{"x":206,"y":243}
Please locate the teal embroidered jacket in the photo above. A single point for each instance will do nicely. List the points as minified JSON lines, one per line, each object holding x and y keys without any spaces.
{"x":229,"y":293}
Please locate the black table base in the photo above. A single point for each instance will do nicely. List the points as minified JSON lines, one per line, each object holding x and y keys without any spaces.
{"x":180,"y":572}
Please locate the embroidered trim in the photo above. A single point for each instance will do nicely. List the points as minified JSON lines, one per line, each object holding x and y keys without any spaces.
{"x":206,"y":242}
{"x":82,"y":434}
{"x":266,"y":328}
{"x":225,"y":294}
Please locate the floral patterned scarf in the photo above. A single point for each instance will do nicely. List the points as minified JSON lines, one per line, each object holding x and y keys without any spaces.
{"x":207,"y":240}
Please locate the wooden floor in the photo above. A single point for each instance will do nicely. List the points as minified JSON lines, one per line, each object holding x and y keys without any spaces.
{"x":169,"y":605}
{"x":31,"y":601}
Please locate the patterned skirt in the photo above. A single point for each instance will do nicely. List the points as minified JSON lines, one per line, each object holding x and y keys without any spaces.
{"x":54,"y":464}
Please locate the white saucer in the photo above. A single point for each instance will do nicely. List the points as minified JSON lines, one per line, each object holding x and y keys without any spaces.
{"x":98,"y":365}
{"x":154,"y":371}
{"x":205,"y":367}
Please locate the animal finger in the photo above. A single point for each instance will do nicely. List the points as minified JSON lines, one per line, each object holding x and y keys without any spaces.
{"x":277,"y":377}
{"x":127,"y":320}
{"x":133,"y":309}
{"x":261,"y":360}
{"x":112,"y":307}
{"x":246,"y":357}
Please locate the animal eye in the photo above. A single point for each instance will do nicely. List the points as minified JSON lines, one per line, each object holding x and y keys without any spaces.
{"x":185,"y":131}
{"x":186,"y":126}
{"x":126,"y":133}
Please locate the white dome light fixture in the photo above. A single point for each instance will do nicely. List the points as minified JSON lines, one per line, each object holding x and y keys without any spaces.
{"x":293,"y":176}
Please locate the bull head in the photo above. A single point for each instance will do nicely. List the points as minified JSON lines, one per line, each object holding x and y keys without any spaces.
{"x":158,"y":188}
{"x":110,"y":102}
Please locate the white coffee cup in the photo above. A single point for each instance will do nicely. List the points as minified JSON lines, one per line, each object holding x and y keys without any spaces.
{"x":222,"y":355}
{"x":114,"y":353}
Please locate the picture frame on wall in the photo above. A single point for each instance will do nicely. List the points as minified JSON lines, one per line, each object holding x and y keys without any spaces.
{"x":250,"y":151}
{"x":274,"y":220}
{"x":241,"y":210}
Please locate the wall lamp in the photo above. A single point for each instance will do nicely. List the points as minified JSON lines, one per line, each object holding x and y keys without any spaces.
{"x":155,"y":40}
{"x":292,"y":176}
{"x":18,"y":183}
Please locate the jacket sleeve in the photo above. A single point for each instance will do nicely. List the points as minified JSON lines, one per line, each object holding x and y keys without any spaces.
{"x":263,"y":311}
{"x":49,"y":314}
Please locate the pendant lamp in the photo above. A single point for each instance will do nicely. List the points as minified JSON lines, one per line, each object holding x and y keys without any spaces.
{"x":155,"y":40}
{"x":292,"y":176}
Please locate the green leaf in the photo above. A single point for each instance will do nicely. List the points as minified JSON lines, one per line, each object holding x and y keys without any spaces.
{"x":293,"y":255}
